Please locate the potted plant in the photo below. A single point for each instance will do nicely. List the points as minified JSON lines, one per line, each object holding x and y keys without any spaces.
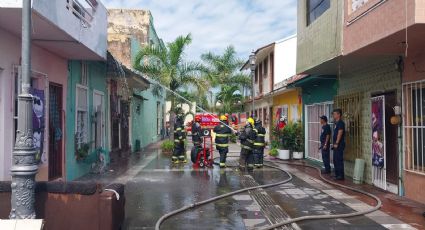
{"x":286,"y":141}
{"x":274,"y":152}
{"x":167,"y":146}
{"x":298,"y":148}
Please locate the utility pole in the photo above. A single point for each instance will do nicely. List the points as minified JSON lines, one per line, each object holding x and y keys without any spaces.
{"x":24,"y":166}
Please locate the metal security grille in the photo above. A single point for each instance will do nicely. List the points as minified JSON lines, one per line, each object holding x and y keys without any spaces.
{"x":351,"y":107}
{"x":414,"y":126}
{"x":314,"y":128}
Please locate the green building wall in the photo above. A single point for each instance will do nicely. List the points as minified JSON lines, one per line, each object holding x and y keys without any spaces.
{"x":321,"y":40}
{"x":317,"y":89}
{"x":96,"y":81}
{"x":144,"y":113}
{"x":378,"y":76}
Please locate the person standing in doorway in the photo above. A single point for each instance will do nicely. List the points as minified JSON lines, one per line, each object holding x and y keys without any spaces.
{"x":338,"y":144}
{"x":325,"y":140}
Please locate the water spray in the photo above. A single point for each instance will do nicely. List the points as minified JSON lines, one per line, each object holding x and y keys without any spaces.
{"x":187,"y":100}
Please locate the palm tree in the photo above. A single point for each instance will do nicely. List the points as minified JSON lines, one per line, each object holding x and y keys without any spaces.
{"x":229,"y":97}
{"x":166,"y":65}
{"x":223,"y":69}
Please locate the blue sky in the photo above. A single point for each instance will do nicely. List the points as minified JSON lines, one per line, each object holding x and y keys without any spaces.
{"x":215,"y":24}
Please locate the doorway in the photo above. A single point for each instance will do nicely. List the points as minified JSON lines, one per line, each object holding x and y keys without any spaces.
{"x":384,"y":142}
{"x":55,"y":131}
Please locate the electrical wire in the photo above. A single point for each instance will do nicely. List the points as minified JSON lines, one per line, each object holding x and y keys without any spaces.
{"x":289,"y":221}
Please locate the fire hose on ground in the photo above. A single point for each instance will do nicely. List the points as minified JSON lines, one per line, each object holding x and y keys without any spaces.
{"x":289,"y":221}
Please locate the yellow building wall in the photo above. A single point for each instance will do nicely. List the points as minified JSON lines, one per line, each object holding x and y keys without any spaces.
{"x":289,"y":99}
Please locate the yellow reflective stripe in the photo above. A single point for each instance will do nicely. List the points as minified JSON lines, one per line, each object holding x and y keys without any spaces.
{"x":259,"y":144}
{"x":246,"y":147}
{"x":261,"y":135}
{"x":250,"y":141}
{"x":176,"y":140}
{"x":178,"y":129}
{"x":255,"y":130}
{"x":222,"y":145}
{"x":222,"y":135}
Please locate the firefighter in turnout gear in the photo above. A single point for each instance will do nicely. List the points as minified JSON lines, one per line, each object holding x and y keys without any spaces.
{"x":259,"y":143}
{"x":179,"y":154}
{"x":247,"y":137}
{"x":222,"y":136}
{"x":197,"y":132}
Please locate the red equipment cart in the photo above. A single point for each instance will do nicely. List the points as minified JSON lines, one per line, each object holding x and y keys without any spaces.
{"x":205,"y":156}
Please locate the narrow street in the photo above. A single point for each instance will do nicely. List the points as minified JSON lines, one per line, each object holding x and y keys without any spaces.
{"x":154,"y":187}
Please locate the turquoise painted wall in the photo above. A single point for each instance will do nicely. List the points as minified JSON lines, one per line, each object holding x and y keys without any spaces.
{"x":96,"y":81}
{"x":144,"y":111}
{"x":317,"y":90}
{"x":144,"y":120}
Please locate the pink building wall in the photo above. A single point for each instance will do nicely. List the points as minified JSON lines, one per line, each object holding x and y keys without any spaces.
{"x":377,"y":23}
{"x":43,"y":61}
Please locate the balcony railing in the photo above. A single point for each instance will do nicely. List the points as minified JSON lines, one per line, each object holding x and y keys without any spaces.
{"x":83,"y":10}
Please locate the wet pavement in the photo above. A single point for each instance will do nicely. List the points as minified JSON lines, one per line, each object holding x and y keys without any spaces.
{"x":155,"y":187}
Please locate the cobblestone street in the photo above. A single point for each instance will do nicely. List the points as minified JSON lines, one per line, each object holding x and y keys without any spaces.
{"x":154,"y":187}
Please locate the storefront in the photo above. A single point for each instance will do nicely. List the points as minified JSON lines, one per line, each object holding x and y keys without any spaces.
{"x":367,"y":96}
{"x":317,"y":97}
{"x":287,"y":102}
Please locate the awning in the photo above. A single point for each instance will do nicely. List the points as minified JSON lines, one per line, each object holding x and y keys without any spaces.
{"x":119,"y":71}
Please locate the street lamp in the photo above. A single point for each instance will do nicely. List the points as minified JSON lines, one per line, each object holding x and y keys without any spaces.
{"x":24,"y":166}
{"x":252,"y":62}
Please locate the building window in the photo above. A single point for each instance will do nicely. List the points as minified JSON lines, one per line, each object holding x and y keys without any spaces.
{"x":315,"y":8}
{"x":82,"y":115}
{"x":414,"y":126}
{"x":295,"y":116}
{"x":84,"y":74}
{"x":266,"y":67}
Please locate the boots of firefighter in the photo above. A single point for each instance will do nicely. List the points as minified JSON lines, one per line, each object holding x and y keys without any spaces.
{"x":223,"y":156}
{"x":242,"y":159}
{"x":175,"y":159}
{"x":182,"y":158}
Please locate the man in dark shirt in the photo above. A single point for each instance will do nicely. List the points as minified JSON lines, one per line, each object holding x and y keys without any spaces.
{"x":338,"y":144}
{"x":325,"y":138}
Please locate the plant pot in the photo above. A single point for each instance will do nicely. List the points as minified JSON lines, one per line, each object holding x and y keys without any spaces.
{"x":284,"y":154}
{"x":297,"y":155}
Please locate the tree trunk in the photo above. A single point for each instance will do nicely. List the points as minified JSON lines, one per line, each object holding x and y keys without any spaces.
{"x":172,"y":117}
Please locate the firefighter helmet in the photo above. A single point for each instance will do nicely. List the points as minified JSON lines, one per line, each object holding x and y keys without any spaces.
{"x":250,"y":121}
{"x":223,"y":118}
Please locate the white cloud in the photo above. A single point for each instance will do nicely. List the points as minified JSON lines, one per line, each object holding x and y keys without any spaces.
{"x":215,"y":24}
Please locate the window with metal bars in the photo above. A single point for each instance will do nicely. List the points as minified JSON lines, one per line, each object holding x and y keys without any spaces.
{"x":314,"y":128}
{"x":414,"y":126}
{"x":351,"y":106}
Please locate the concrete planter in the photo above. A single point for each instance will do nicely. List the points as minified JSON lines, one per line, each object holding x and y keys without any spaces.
{"x":298,"y":155}
{"x":284,"y":154}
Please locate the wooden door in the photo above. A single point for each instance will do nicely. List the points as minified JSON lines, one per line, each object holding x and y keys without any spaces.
{"x":55,"y":131}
